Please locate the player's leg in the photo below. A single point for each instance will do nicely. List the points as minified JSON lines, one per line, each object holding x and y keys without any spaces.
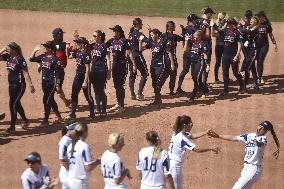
{"x":226,"y":61}
{"x":115,"y":78}
{"x":20,"y":108}
{"x":218,"y":53}
{"x":260,"y":61}
{"x":132,"y":78}
{"x":51,"y":101}
{"x":173,"y":77}
{"x":61,"y":92}
{"x":249,"y":175}
{"x":90,"y":100}
{"x":205,"y":74}
{"x":251,"y":53}
{"x":185,"y":70}
{"x":235,"y":69}
{"x":195,"y":72}
{"x":177,"y":176}
{"x":76,"y":88}
{"x":47,"y":88}
{"x":144,"y":75}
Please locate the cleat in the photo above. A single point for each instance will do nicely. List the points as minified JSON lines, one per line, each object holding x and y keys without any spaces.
{"x":140,"y":97}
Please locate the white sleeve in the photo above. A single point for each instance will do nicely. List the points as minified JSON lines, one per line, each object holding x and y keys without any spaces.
{"x":26,"y":183}
{"x":117,"y":169}
{"x":166,"y":163}
{"x":139,"y":163}
{"x":87,"y":156}
{"x":62,"y":151}
{"x":187,"y":144}
{"x":262,"y":140}
{"x":243,"y":138}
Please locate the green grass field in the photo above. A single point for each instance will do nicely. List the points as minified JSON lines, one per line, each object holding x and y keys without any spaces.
{"x":172,"y":8}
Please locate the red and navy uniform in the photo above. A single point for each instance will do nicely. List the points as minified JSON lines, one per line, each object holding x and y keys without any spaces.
{"x":160,"y":65}
{"x":133,"y":39}
{"x":172,"y":40}
{"x":197,"y":66}
{"x":118,"y":48}
{"x":250,"y":51}
{"x":98,"y":75}
{"x":82,"y":59}
{"x":60,"y":53}
{"x":262,"y":44}
{"x":219,"y":49}
{"x":188,"y":30}
{"x":50,"y":77}
{"x":17,"y":86}
{"x":231,"y":39}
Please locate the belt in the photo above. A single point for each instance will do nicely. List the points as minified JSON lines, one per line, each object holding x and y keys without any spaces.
{"x":251,"y":164}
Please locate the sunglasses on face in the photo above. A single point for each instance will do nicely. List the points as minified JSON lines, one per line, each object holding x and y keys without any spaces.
{"x":30,"y":162}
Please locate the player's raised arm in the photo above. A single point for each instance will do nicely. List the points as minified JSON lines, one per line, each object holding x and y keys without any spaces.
{"x":213,"y":134}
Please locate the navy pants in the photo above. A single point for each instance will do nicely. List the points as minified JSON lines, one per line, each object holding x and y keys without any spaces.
{"x":48,"y":88}
{"x":99,"y":79}
{"x":16,"y":91}
{"x":197,"y":68}
{"x":260,"y":57}
{"x":219,"y":49}
{"x":142,"y":68}
{"x":227,"y":61}
{"x":76,"y":88}
{"x":245,"y":53}
{"x":61,"y":76}
{"x":185,"y":68}
{"x":159,"y":74}
{"x":205,"y":74}
{"x":173,"y":77}
{"x":249,"y":65}
{"x":119,"y":73}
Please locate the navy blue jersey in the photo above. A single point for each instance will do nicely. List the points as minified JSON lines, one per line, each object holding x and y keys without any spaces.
{"x":159,"y":52}
{"x":50,"y":66}
{"x":133,"y":38}
{"x":15,"y":67}
{"x":99,"y":53}
{"x":172,"y":41}
{"x":82,"y":58}
{"x":220,"y":38}
{"x":197,"y":50}
{"x":231,"y":39}
{"x":188,"y":30}
{"x":250,"y":36}
{"x":118,"y":49}
{"x":263,"y":31}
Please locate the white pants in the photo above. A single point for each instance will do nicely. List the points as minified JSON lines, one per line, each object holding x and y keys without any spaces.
{"x":63,"y":176}
{"x":176,"y":172}
{"x":77,"y":184}
{"x":115,"y":187}
{"x":250,"y":174}
{"x":153,"y":187}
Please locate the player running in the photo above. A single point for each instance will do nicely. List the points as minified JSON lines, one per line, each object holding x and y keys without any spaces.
{"x":112,"y":167}
{"x":17,"y":75}
{"x":154,"y":164}
{"x":180,"y":142}
{"x":254,"y":148}
{"x":37,"y":174}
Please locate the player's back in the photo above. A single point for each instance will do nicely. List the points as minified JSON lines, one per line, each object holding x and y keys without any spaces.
{"x":153,"y":170}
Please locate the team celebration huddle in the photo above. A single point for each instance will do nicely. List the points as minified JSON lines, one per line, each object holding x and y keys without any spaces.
{"x":239,"y":43}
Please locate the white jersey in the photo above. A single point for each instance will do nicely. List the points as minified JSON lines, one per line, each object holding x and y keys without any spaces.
{"x":112,"y":167}
{"x":32,"y":180}
{"x":153,"y":171}
{"x":81,"y":157}
{"x":62,"y":152}
{"x":178,"y":145}
{"x":254,"y":153}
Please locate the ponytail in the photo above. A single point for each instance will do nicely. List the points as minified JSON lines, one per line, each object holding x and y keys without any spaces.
{"x":276,"y":140}
{"x":181,"y":122}
{"x":154,"y":139}
{"x":80,"y":128}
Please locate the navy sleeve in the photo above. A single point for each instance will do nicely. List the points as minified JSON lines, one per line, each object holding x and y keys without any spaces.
{"x":23,"y":64}
{"x":269,"y":28}
{"x":37,"y":59}
{"x":126,"y":44}
{"x":109,"y":43}
{"x":178,"y":38}
{"x":5,"y":56}
{"x":148,"y":44}
{"x":239,"y":37}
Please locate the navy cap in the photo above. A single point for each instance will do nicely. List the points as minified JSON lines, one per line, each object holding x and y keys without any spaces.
{"x":32,"y":157}
{"x":57,"y":31}
{"x":117,"y":28}
{"x":14,"y":46}
{"x":266,"y":124}
{"x":260,"y":13}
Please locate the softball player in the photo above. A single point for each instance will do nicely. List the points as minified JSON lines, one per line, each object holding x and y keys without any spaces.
{"x":100,"y":70}
{"x":81,"y":80}
{"x":161,"y":64}
{"x":249,"y":47}
{"x":231,"y":55}
{"x":153,"y":164}
{"x":264,"y":29}
{"x":37,"y":175}
{"x":254,"y":148}
{"x":220,"y":24}
{"x":120,"y":49}
{"x":199,"y":57}
{"x":189,"y":30}
{"x":60,"y":52}
{"x":180,"y":142}
{"x":133,"y":39}
{"x":17,"y":75}
{"x":172,"y":40}
{"x":79,"y":158}
{"x":112,"y":167}
{"x":63,"y":144}
{"x":49,"y":64}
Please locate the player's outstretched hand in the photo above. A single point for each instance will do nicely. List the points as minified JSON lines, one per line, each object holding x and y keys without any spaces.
{"x":276,"y":154}
{"x":212,"y":133}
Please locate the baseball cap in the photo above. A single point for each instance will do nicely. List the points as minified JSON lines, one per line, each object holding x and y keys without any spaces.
{"x":248,"y":13}
{"x":81,"y":40}
{"x":33,"y":157}
{"x":117,"y":28}
{"x":48,"y":45}
{"x":71,"y":126}
{"x":14,"y":46}
{"x":266,"y":124}
{"x":260,"y":13}
{"x":57,"y":31}
{"x":208,"y":10}
{"x":192,"y":17}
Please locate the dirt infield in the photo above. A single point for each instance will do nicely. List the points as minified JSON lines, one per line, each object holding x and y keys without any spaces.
{"x":233,"y":115}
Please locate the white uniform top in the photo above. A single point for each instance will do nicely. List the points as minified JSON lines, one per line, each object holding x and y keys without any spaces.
{"x":112,"y":167}
{"x":153,"y":171}
{"x":178,"y":145}
{"x":81,"y":157}
{"x":32,"y":180}
{"x":254,"y":153}
{"x":62,"y":151}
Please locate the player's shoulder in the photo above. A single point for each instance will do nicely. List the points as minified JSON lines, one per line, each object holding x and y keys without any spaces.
{"x":65,"y":139}
{"x":26,"y":174}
